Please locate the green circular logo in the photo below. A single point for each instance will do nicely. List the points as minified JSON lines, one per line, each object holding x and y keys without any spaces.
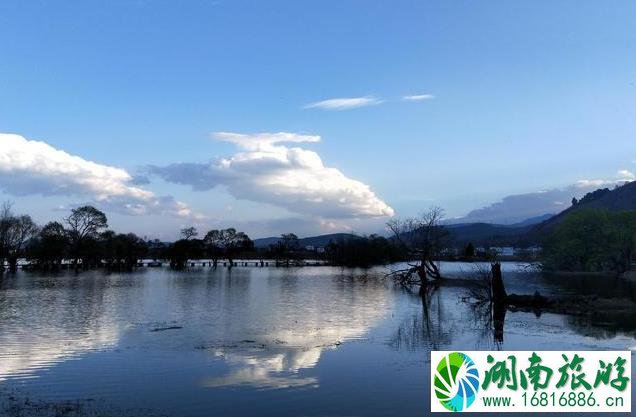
{"x":456,"y":381}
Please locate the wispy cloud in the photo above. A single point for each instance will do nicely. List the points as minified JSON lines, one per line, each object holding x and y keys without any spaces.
{"x":418,"y":97}
{"x":344,"y":103}
{"x":29,"y":167}
{"x":259,"y":140}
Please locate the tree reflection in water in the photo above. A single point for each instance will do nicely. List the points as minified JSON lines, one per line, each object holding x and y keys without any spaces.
{"x":464,"y":304}
{"x":425,"y":328}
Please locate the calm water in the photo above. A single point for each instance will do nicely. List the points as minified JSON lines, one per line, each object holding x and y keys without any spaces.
{"x":316,"y":341}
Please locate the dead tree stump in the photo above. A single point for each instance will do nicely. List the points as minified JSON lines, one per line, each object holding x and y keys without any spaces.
{"x":497,"y":288}
{"x":498,"y":300}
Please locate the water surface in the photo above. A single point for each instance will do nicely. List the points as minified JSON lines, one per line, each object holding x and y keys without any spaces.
{"x":314,"y":341}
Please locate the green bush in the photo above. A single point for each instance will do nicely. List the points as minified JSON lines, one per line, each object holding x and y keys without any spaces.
{"x":592,"y":240}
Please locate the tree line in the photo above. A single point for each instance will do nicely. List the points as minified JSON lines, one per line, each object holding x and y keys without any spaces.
{"x":587,"y":240}
{"x":82,"y":241}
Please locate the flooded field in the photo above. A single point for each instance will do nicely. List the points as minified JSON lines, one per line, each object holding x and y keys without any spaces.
{"x":314,"y":341}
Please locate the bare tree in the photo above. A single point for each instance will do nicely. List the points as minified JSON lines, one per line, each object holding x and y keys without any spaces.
{"x":15,"y":232}
{"x":22,"y":229}
{"x":422,"y":239}
{"x":189,"y":233}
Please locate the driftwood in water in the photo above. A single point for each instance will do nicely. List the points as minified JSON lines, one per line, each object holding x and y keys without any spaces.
{"x":537,"y":303}
{"x":521,"y":302}
{"x":571,"y":305}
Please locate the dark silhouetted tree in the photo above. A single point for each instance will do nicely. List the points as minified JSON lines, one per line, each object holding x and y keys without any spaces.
{"x":362,"y":251}
{"x":213,"y":243}
{"x":232,"y":243}
{"x":422,"y":239}
{"x":6,"y":218}
{"x":184,"y":249}
{"x":122,"y":251}
{"x":15,"y":232}
{"x":84,"y":225}
{"x":51,"y":247}
{"x":469,"y":251}
{"x":21,"y":230}
{"x":286,"y":247}
{"x":189,"y":233}
{"x":157,"y":249}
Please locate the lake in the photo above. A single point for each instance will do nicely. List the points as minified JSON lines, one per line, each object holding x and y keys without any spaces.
{"x":313,"y":341}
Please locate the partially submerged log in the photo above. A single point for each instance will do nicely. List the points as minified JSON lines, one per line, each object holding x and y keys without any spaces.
{"x":537,"y":303}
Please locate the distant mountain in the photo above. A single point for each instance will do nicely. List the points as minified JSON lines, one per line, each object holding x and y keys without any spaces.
{"x":522,"y":221}
{"x":533,"y":220}
{"x":514,"y":209}
{"x":321,"y":240}
{"x":324,"y":240}
{"x":460,"y":234}
{"x":618,"y":199}
{"x":265,"y":242}
{"x":488,"y":234}
{"x":532,"y":231}
{"x":485,"y":234}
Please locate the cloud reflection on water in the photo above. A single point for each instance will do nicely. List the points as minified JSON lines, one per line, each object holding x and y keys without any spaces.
{"x":293,"y":342}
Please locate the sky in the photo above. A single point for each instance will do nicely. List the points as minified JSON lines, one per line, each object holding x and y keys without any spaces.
{"x":312,"y":117}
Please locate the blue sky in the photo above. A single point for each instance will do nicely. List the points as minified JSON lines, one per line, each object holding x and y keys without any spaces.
{"x":528,"y":96}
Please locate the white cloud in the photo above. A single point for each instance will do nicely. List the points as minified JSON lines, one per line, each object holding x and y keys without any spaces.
{"x":519,"y":207}
{"x":29,"y":167}
{"x":289,"y":177}
{"x":344,"y":103}
{"x":418,"y":97}
{"x":593,"y":183}
{"x":621,"y":176}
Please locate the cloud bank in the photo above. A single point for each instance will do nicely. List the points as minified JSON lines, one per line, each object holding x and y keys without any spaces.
{"x":519,"y":207}
{"x":344,"y":103}
{"x":268,"y":171}
{"x":622,"y":176}
{"x":29,"y":167}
